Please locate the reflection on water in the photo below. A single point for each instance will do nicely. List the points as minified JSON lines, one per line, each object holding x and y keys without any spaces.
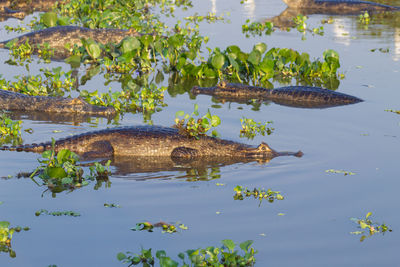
{"x":340,"y":32}
{"x":382,"y":25}
{"x":200,"y":169}
{"x":214,"y":6}
{"x":148,"y":168}
{"x":249,"y":9}
{"x":396,"y":50}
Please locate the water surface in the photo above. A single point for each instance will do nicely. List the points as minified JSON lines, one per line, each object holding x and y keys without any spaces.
{"x":315,"y":229}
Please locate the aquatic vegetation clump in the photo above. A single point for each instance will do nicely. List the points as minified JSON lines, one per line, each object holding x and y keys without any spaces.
{"x":54,"y":82}
{"x":210,"y":256}
{"x":260,"y":194}
{"x":250,"y":128}
{"x":196,"y":127}
{"x":6,"y":235}
{"x":166,"y":227}
{"x":10,"y":130}
{"x":59,"y":171}
{"x":372,"y":227}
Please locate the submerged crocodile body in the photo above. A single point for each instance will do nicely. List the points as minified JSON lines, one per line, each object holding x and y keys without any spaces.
{"x":339,"y":6}
{"x":294,"y":96}
{"x":21,"y":8}
{"x":153,"y":141}
{"x":17,"y":101}
{"x":58,"y":37}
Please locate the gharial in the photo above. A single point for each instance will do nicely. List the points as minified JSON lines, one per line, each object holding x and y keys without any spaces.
{"x":16,"y":101}
{"x":153,"y":141}
{"x":294,"y":96}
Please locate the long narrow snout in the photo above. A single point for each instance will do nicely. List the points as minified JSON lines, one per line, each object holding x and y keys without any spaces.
{"x":265,"y":151}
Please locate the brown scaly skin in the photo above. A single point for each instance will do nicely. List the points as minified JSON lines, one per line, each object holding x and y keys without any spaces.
{"x":17,"y":101}
{"x":153,"y":141}
{"x":21,"y":8}
{"x":58,"y":37}
{"x":339,"y":6}
{"x":294,"y":96}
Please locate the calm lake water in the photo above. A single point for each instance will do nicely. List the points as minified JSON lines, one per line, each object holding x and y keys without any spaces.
{"x":315,"y":229}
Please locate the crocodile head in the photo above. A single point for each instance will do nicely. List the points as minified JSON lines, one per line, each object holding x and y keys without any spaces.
{"x":263,"y":151}
{"x":79,"y":105}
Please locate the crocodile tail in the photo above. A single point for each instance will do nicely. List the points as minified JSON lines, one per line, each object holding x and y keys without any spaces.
{"x":37,"y":148}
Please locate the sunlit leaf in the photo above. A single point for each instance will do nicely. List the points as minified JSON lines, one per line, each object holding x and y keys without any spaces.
{"x":49,"y":19}
{"x":74,"y":61}
{"x":93,"y":49}
{"x":246,"y":245}
{"x":262,"y":47}
{"x":255,"y":57}
{"x":161,"y":254}
{"x":229,"y":244}
{"x":129,"y":44}
{"x":180,"y":113}
{"x":56,"y":172}
{"x":218,"y":61}
{"x":121,"y":256}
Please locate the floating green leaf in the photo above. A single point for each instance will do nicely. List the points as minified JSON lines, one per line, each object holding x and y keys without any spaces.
{"x":49,"y":19}
{"x":218,"y":61}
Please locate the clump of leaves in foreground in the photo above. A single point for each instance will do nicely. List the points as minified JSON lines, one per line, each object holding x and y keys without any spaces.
{"x":10,"y":131}
{"x":147,"y":99}
{"x":193,"y":127}
{"x":250,"y":128}
{"x":6,"y":234}
{"x":372,"y":227}
{"x":232,"y":63}
{"x":261,"y":194}
{"x":210,"y":256}
{"x":262,"y":64}
{"x":59,"y":171}
{"x":49,"y":83}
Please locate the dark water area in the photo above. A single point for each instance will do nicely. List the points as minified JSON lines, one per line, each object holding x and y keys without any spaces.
{"x":315,"y":229}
